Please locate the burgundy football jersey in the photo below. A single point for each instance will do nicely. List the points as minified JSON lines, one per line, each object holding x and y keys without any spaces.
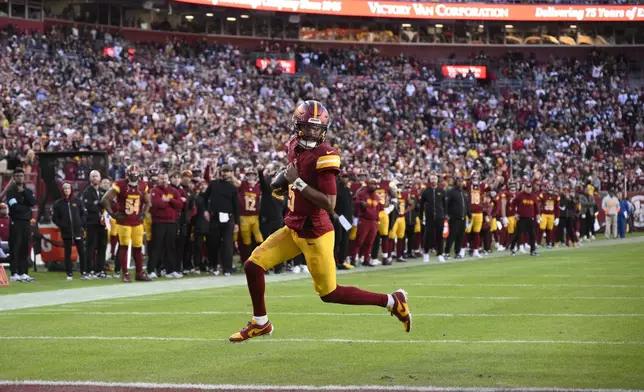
{"x":302,"y":216}
{"x":130,"y":201}
{"x":248,"y":196}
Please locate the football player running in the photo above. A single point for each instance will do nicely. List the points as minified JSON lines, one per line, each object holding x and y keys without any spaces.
{"x":133,"y":201}
{"x":311,"y":173}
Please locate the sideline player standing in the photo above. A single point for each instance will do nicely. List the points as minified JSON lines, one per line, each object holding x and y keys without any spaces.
{"x":133,"y":201}
{"x":313,"y":166}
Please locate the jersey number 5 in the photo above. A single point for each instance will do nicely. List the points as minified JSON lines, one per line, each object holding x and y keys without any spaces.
{"x":132,"y":206}
{"x":291,"y":198}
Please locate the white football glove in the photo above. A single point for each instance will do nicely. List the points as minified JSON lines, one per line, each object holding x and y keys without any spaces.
{"x":498,"y":225}
{"x":625,"y":214}
{"x":557,"y":222}
{"x":583,"y":216}
{"x":539,"y":219}
{"x":505,"y":221}
{"x":469,"y":224}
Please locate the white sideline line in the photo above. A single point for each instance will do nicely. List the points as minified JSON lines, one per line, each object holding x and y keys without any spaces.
{"x":255,"y":387}
{"x":621,"y":286}
{"x":307,"y":340}
{"x":563,"y":298}
{"x":333,"y":314}
{"x":111,"y":292}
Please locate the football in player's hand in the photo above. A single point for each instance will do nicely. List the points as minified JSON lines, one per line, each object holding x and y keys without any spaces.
{"x":280,"y":183}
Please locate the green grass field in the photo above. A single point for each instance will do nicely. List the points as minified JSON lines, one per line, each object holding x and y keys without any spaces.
{"x":569,"y":318}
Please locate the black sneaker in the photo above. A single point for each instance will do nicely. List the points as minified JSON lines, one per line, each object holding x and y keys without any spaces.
{"x":386,"y":261}
{"x":534,"y":253}
{"x":458,"y":257}
{"x":513,"y":253}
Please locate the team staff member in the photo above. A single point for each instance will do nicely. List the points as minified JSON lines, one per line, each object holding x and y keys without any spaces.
{"x":272,"y":207}
{"x":343,"y":207}
{"x":185,"y":228}
{"x":527,"y":208}
{"x":95,"y":225}
{"x":153,"y":178}
{"x":166,"y":206}
{"x":433,"y":207}
{"x":69,"y":215}
{"x":567,"y":206}
{"x":368,"y":208}
{"x":200,"y":225}
{"x":20,"y":200}
{"x":181,"y":236}
{"x":458,"y":210}
{"x":222,"y":213}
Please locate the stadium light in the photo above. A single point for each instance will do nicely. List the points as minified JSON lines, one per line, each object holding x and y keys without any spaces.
{"x":189,"y":17}
{"x":231,"y":19}
{"x":481,"y":26}
{"x":440,"y":26}
{"x":573,"y":26}
{"x":406,"y":25}
{"x":244,"y":16}
{"x":209,"y":14}
{"x":508,"y":26}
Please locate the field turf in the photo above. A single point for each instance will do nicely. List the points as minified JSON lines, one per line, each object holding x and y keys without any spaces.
{"x":570,"y":318}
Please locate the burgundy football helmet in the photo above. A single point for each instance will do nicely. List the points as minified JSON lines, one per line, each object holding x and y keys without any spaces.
{"x":133,"y":174}
{"x":310,"y":123}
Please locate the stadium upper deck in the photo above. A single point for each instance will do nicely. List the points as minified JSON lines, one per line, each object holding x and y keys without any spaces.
{"x":500,"y":23}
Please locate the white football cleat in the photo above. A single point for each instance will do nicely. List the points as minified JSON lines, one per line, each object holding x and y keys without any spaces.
{"x":501,"y":248}
{"x":297,"y":269}
{"x":26,"y":278}
{"x":462,"y":253}
{"x":426,"y":258}
{"x":305,"y":269}
{"x":152,"y":275}
{"x":441,"y":259}
{"x":70,"y":277}
{"x":16,"y":278}
{"x":476,"y":253}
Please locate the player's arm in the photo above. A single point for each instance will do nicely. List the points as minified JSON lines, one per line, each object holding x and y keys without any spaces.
{"x":107,"y":200}
{"x":147,"y":202}
{"x":504,"y":206}
{"x":235,"y":181}
{"x":556,"y":211}
{"x":324,"y":198}
{"x":393,"y":196}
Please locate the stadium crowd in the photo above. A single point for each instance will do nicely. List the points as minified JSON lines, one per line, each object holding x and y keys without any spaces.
{"x":198,"y":108}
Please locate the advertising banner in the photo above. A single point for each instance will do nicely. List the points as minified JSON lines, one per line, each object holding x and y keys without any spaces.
{"x":442,"y":11}
{"x":288,"y":66}
{"x":450,"y":71}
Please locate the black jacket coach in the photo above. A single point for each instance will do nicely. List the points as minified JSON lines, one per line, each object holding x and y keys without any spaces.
{"x":433,"y":203}
{"x":344,"y":201}
{"x":458,"y":203}
{"x":20,"y":203}
{"x":271,"y":207}
{"x":221,"y":197}
{"x":92,"y":200}
{"x":69,"y":215}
